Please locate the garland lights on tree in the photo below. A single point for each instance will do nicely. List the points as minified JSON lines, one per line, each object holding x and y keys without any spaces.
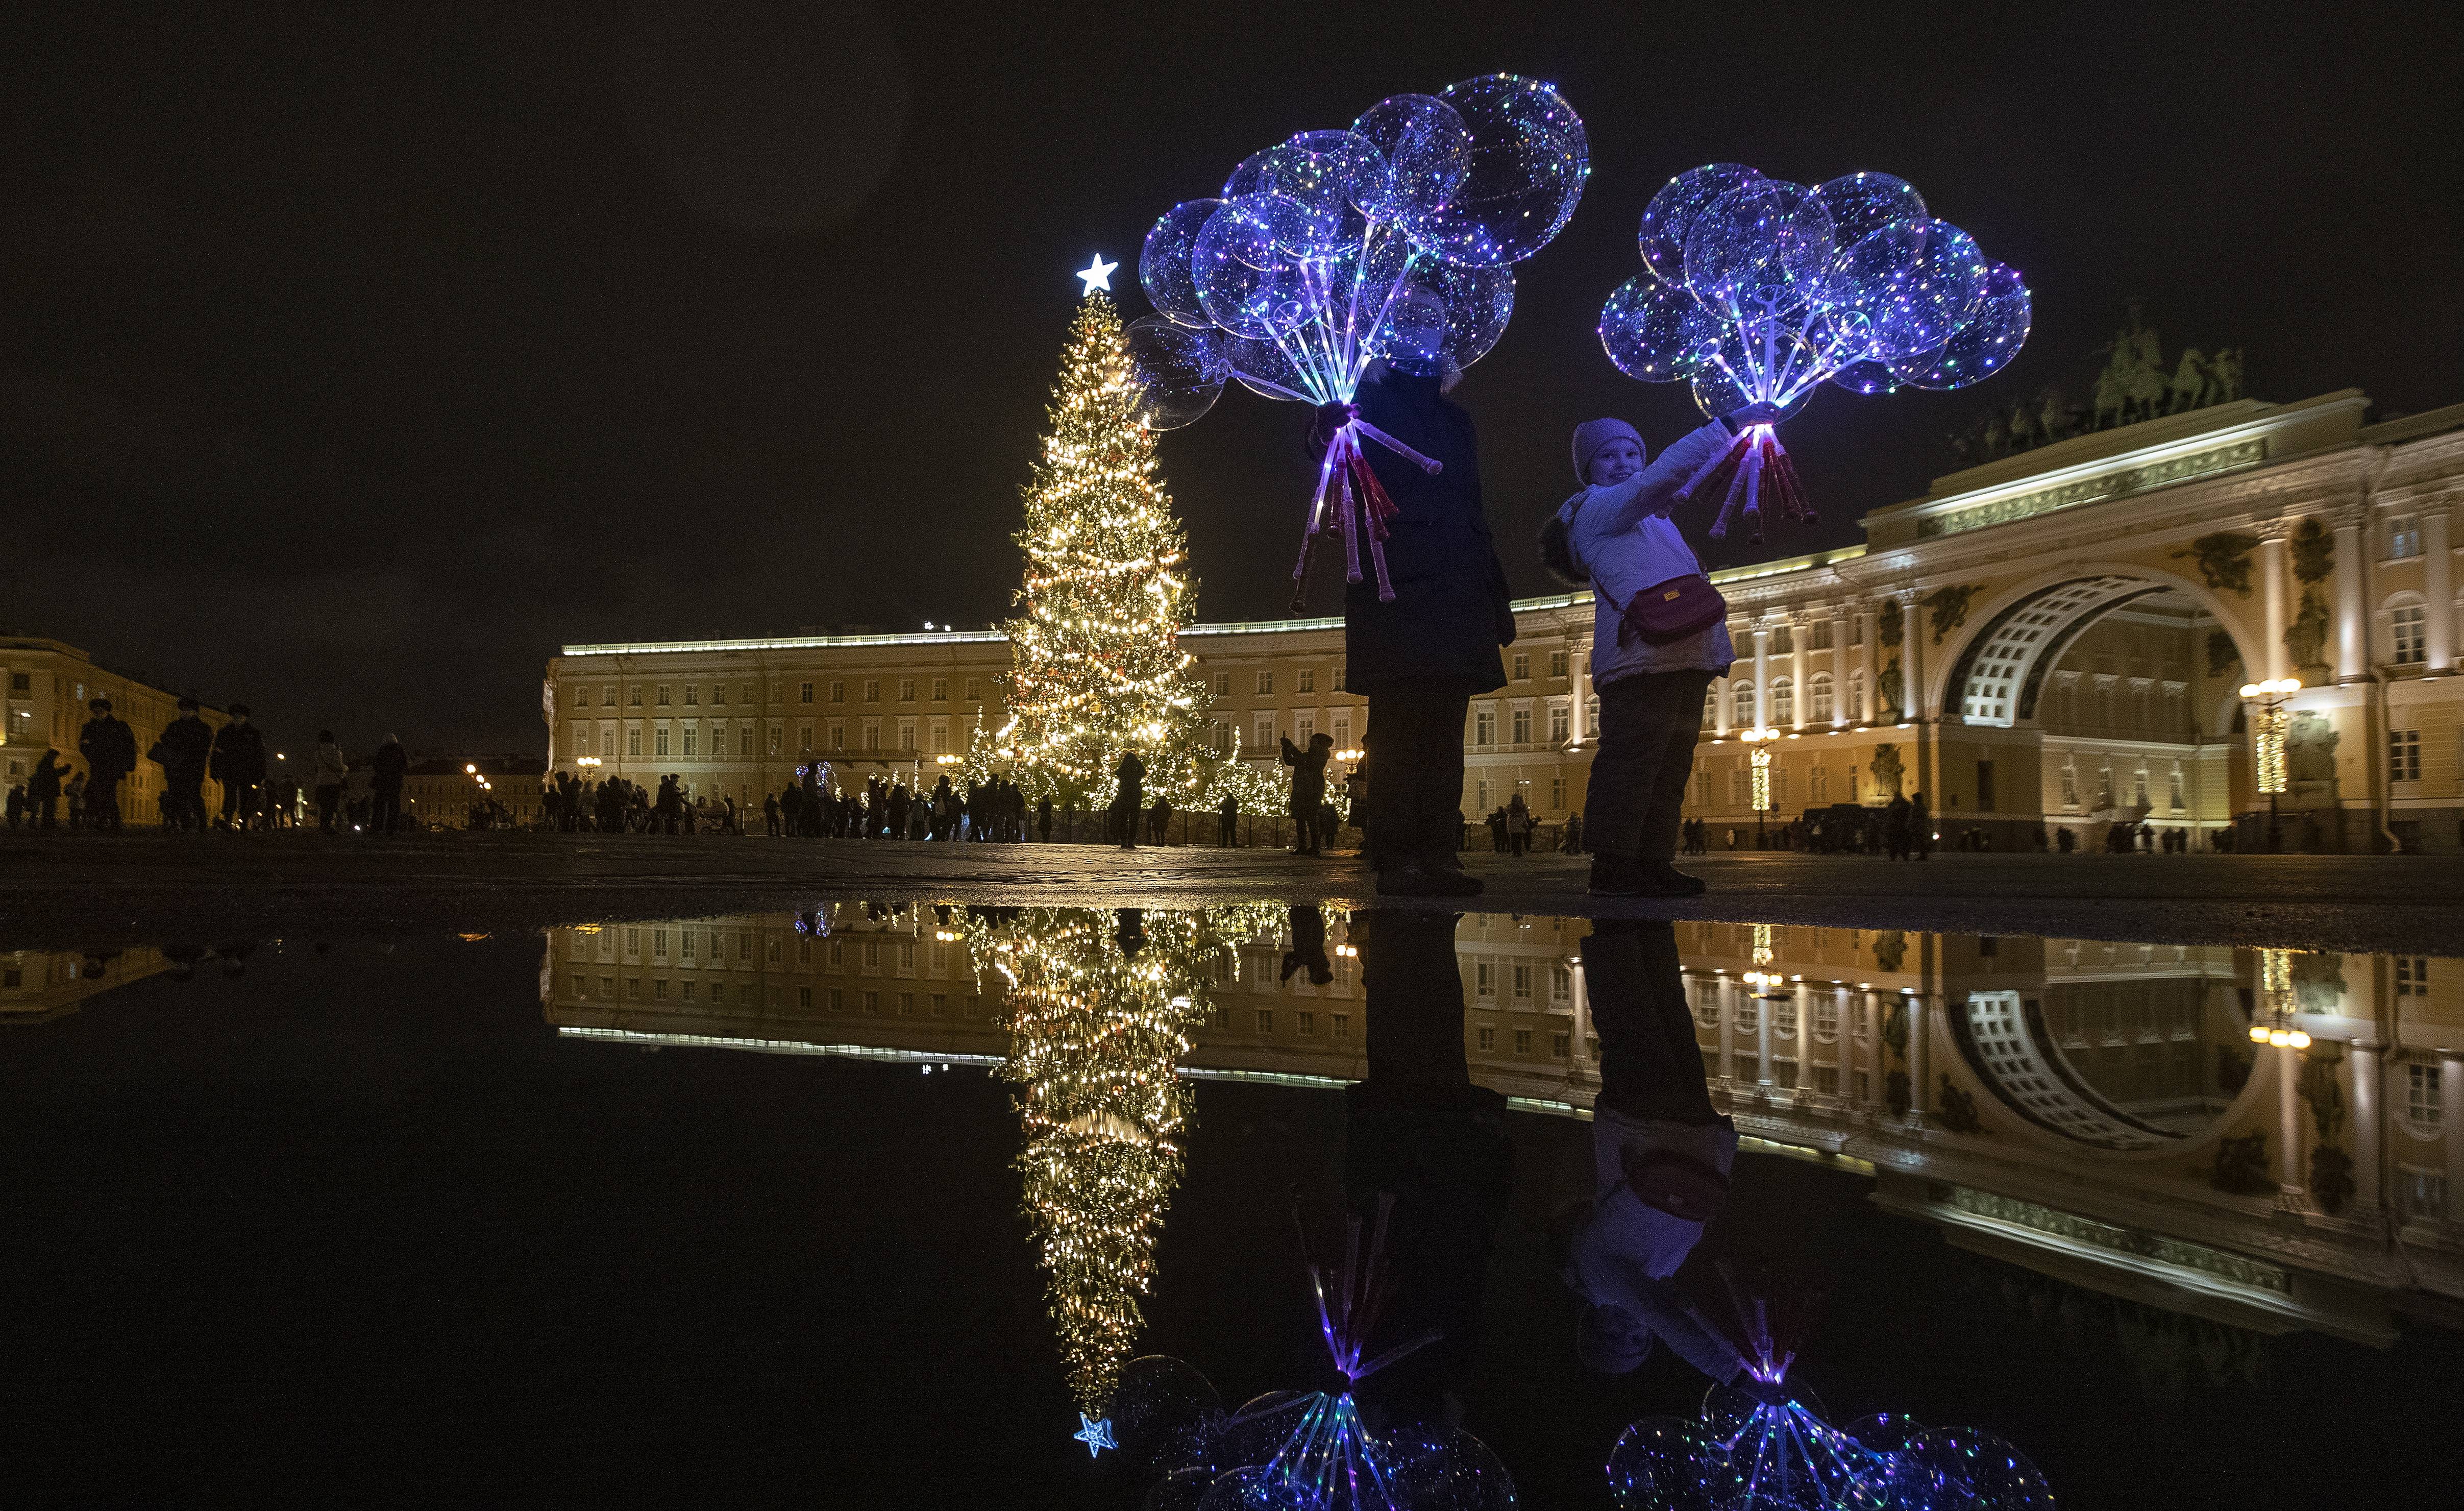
{"x":1100,"y":1008}
{"x":1097,"y":666}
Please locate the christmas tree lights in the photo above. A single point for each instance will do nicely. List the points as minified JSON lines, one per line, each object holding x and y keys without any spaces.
{"x":1097,"y":667}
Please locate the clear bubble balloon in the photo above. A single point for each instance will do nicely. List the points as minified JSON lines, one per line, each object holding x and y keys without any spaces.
{"x":1435,"y":1469}
{"x":1176,"y":373}
{"x":1246,"y":282}
{"x":1479,"y":301}
{"x":1766,"y":245}
{"x":1263,"y":367}
{"x":1181,"y":1490}
{"x":1528,"y":163}
{"x":1258,"y":1430}
{"x":1980,"y":347}
{"x":1656,"y":331}
{"x":1425,"y":149}
{"x":1866,"y":376}
{"x":1999,"y":1476}
{"x":1413,"y":333}
{"x":1666,"y":1463}
{"x":1164,"y":267}
{"x":1164,"y":1413}
{"x":1917,"y":281}
{"x":1670,"y":215}
{"x":1322,"y":171}
{"x":1863,"y":203}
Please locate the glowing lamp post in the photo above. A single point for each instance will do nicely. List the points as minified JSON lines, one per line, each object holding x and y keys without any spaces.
{"x":2275,"y":1025}
{"x":2268,"y":726}
{"x":1758,"y":747}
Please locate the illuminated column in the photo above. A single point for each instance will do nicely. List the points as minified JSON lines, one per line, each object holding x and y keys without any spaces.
{"x":2273,"y":574}
{"x":2352,"y":644}
{"x":1580,"y":661}
{"x":1838,"y":668}
{"x":1720,"y":706}
{"x":1918,"y":1020}
{"x":1762,"y":1040}
{"x":1728,"y":1029}
{"x":2438,"y":586}
{"x":1911,"y":667}
{"x":1868,"y":632}
{"x":2451,"y":1121}
{"x":1877,"y":1069}
{"x":2291,"y":1192}
{"x":1762,"y":676}
{"x":2367,"y":1151}
{"x":1582,"y":1013}
{"x":1799,"y":629}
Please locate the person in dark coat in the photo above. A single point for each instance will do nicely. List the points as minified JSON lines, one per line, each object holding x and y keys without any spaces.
{"x":1227,"y":822}
{"x":1044,"y":819}
{"x":1159,"y":820}
{"x":110,"y":752}
{"x":1308,"y":789}
{"x":43,"y":791}
{"x":238,"y":762}
{"x":385,"y":769}
{"x":182,"y":750}
{"x":1132,"y":775}
{"x":1422,"y":657}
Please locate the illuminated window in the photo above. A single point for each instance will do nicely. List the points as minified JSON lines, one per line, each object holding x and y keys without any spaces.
{"x":1741,"y":705}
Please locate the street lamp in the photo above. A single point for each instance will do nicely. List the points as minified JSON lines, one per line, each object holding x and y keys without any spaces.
{"x":1758,"y":747}
{"x":2275,"y":1025}
{"x":587,"y":763}
{"x":2268,"y":727}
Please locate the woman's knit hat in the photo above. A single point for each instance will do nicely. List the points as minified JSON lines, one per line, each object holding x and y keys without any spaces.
{"x":1593,"y":435}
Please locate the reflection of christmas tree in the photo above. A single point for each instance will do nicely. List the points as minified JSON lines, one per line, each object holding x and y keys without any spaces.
{"x":1096,"y":661}
{"x":1100,"y":1008}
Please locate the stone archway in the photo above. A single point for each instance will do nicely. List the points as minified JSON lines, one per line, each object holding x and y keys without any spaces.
{"x":1993,"y":680}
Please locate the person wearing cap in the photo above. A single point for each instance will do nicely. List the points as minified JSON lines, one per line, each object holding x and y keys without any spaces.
{"x":1662,"y":1156}
{"x":1421,"y":656}
{"x":238,"y":763}
{"x":182,"y":750}
{"x":1615,"y":534}
{"x":110,"y":754}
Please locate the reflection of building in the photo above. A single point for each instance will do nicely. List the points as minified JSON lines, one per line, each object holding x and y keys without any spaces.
{"x":44,"y":687}
{"x":2122,"y":1132}
{"x":2051,"y":638}
{"x":39,"y":985}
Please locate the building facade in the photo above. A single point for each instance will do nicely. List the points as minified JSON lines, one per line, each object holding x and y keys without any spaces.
{"x":2052,"y":640}
{"x":2094,"y":1110}
{"x":46,"y":685}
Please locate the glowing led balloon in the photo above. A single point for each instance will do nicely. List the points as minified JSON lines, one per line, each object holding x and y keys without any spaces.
{"x":1391,"y":240}
{"x":1179,"y":372}
{"x":1755,"y":291}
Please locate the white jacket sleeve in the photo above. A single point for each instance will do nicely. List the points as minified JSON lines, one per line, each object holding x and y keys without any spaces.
{"x":1614,"y":511}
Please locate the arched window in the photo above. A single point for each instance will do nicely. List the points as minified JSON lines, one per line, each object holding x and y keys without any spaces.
{"x":1741,"y":705}
{"x":1856,"y":696}
{"x":1783,"y":701}
{"x":1592,"y":715}
{"x":1818,"y":688}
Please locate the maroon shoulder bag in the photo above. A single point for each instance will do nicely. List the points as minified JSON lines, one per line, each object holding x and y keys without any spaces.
{"x":1666,"y":613}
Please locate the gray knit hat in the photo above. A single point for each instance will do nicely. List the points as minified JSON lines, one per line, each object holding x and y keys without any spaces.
{"x":1593,"y":435}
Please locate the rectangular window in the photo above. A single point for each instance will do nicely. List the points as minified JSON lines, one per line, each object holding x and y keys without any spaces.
{"x":1265,"y":732}
{"x":1305,"y":730}
{"x":1522,"y":666}
{"x":838,"y":735}
{"x":1487,"y":1041}
{"x":1522,"y":982}
{"x":873,"y":689}
{"x":663,"y":695}
{"x":692,"y":695}
{"x":662,"y":741}
{"x":837,"y":692}
{"x":1985,"y":786}
{"x":774,"y":738}
{"x":1817,"y":786}
{"x":1485,"y":979}
{"x":1307,"y":1024}
{"x":907,"y":689}
{"x":1342,"y":1025}
{"x":1307,"y":679}
{"x":1265,"y":683}
{"x":1522,"y":1041}
{"x":1557,"y":663}
{"x":659,"y":988}
{"x":1556,"y":792}
{"x":744,"y":743}
{"x":1484,"y":727}
{"x":907,"y":1004}
{"x":940,"y":1004}
{"x":692,"y":734}
{"x":1222,"y":684}
{"x":2404,"y":539}
{"x":1338,"y":676}
{"x":2410,"y":623}
{"x":1561,"y":1045}
{"x":1266,"y":1020}
{"x":2412,"y":975}
{"x":940,"y":689}
{"x":2422,"y":1107}
{"x":1561,"y":723}
{"x":1561,"y":985}
{"x":2404,"y":755}
{"x":1523,"y":726}
{"x":975,"y":688}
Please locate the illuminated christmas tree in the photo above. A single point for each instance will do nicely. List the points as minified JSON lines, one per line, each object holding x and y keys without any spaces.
{"x":1096,"y":662}
{"x":1100,"y":1007}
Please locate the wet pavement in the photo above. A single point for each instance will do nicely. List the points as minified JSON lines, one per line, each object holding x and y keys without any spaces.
{"x":72,"y":890}
{"x":873,"y":1202}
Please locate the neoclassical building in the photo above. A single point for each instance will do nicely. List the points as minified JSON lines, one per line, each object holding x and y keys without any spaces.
{"x":2054,"y":639}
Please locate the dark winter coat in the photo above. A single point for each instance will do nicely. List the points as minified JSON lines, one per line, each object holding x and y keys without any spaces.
{"x":387,"y":768}
{"x":239,"y":755}
{"x":109,"y":750}
{"x":185,"y":742}
{"x":1308,"y":774}
{"x":1451,"y":610}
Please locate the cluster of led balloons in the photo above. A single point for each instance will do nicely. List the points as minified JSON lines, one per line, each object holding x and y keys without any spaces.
{"x":1757,"y":290}
{"x":1395,"y":237}
{"x":1290,"y":1451}
{"x":1744,"y":1453}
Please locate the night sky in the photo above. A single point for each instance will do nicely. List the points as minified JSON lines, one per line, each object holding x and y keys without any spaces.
{"x":353,"y":358}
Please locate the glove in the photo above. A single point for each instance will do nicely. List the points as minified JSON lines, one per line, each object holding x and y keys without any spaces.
{"x":1739,"y":421}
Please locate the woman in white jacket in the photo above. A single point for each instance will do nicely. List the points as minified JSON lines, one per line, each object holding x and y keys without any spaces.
{"x":1616,"y":533}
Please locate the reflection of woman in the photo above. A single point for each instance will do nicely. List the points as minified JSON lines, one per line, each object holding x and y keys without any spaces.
{"x":1418,"y":1130}
{"x":1662,"y":1156}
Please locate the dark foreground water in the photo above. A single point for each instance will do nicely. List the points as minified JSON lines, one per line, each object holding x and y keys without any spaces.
{"x":866,"y":1205}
